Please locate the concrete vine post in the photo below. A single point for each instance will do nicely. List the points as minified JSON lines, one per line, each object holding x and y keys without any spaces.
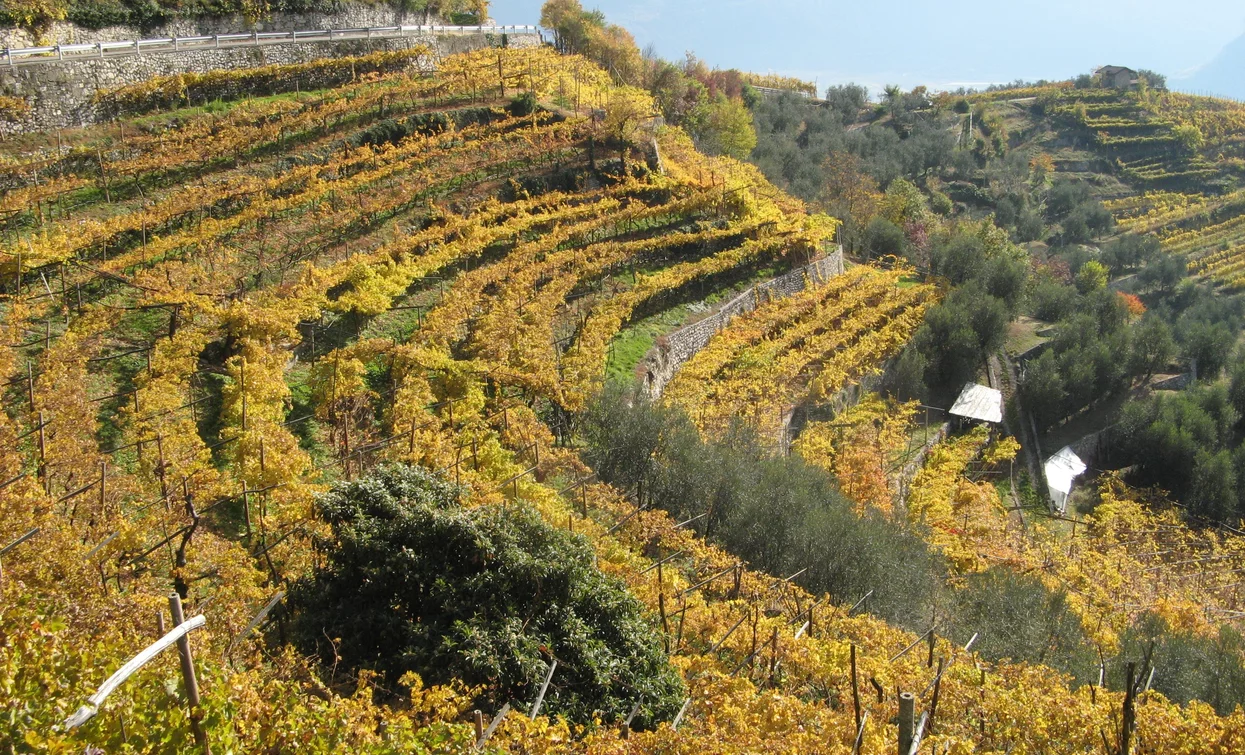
{"x":907,"y":721}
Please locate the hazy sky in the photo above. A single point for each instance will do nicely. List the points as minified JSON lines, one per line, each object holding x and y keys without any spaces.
{"x":943,"y":44}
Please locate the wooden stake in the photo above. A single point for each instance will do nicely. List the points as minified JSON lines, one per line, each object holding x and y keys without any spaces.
{"x":855,"y":692}
{"x":246,"y":509}
{"x":773,"y":654}
{"x":1130,"y":716}
{"x":242,"y":381}
{"x":103,"y":173}
{"x":661,"y":605}
{"x":479,"y":721}
{"x":164,"y":487}
{"x":188,"y":675}
{"x":43,"y":463}
{"x":103,"y":476}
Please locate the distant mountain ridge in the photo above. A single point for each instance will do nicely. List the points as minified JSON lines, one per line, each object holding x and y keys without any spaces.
{"x":1223,"y":76}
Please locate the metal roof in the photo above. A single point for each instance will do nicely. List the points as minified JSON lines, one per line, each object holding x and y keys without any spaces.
{"x":979,"y":402}
{"x":1062,"y":469}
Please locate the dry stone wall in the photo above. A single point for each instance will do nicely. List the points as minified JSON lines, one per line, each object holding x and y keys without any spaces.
{"x":61,"y":94}
{"x":661,"y":363}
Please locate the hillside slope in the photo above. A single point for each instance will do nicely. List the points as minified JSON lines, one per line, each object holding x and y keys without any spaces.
{"x":233,"y":307}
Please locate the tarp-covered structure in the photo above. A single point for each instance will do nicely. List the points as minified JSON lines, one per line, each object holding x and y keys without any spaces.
{"x":979,"y":403}
{"x":1062,"y":469}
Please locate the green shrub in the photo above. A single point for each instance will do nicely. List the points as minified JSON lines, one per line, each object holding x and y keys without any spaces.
{"x":415,"y":582}
{"x":1186,"y":666}
{"x":1016,"y":617}
{"x":779,"y":514}
{"x":523,"y":105}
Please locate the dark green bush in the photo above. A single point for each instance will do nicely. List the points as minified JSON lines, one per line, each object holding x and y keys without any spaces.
{"x":489,"y":596}
{"x":523,"y":105}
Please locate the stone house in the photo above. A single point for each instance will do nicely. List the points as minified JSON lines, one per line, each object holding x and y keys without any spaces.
{"x":1117,"y":77}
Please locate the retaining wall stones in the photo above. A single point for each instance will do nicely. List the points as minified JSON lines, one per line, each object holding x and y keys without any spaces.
{"x":61,"y":95}
{"x":662,"y":361}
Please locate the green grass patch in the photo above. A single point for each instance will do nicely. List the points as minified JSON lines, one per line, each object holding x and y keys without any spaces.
{"x":631,"y":343}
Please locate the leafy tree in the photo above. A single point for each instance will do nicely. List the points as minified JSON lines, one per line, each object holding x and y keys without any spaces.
{"x":883,"y":238}
{"x":1006,"y":278}
{"x":903,"y":202}
{"x":1092,"y":277}
{"x":960,"y":260}
{"x":847,"y":101}
{"x":570,"y":23}
{"x":1214,"y":486}
{"x":1042,"y":391}
{"x":1129,"y":252}
{"x":1164,"y":273}
{"x":1153,"y":347}
{"x":892,"y":95}
{"x":1052,"y":301}
{"x":906,"y":381}
{"x":677,"y":95}
{"x":615,"y":50}
{"x":849,"y":194}
{"x":1236,"y":384}
{"x":1016,"y":617}
{"x":1189,"y":135}
{"x":1064,"y":197}
{"x":627,"y":109}
{"x":586,"y":32}
{"x":1189,"y":666}
{"x":725,"y":128}
{"x":950,"y":346}
{"x":1152,"y":80}
{"x":1206,"y":347}
{"x":415,"y":582}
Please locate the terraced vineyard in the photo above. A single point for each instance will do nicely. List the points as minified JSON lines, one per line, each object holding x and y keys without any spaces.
{"x":245,"y":303}
{"x":812,"y":344}
{"x":1182,"y":155}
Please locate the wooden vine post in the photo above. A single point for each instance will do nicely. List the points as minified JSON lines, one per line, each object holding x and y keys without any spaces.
{"x":188,"y":675}
{"x":175,"y":636}
{"x":855,"y":693}
{"x":1130,"y":715}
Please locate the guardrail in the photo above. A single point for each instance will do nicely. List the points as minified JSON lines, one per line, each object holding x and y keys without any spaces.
{"x":17,"y":57}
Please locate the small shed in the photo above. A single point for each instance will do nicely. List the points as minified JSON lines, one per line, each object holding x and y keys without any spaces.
{"x":1061,"y":470}
{"x":979,"y":403}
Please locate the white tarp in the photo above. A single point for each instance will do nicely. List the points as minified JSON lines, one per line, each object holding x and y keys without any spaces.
{"x":1061,"y":470}
{"x":980,"y":403}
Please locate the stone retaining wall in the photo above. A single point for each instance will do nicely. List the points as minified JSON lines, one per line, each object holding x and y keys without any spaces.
{"x":61,"y":95}
{"x":661,"y":363}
